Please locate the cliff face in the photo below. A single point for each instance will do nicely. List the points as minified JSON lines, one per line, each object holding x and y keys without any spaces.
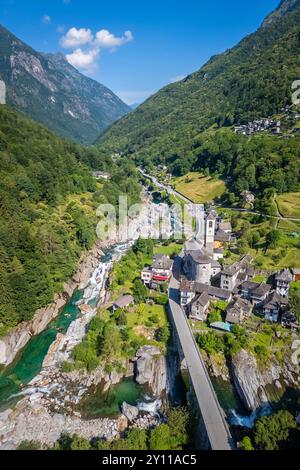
{"x":284,"y":7}
{"x":151,"y":369}
{"x":251,"y":381}
{"x":48,"y":89}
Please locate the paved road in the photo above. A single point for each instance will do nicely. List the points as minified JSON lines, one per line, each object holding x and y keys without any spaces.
{"x":166,"y":188}
{"x":213,"y":415}
{"x":236,"y":209}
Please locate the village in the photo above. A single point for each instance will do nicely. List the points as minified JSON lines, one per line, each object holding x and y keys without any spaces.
{"x":206,"y":280}
{"x":287,"y":121}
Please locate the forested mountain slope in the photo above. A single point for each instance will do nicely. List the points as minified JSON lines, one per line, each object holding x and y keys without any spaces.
{"x":251,"y":80}
{"x":48,"y":201}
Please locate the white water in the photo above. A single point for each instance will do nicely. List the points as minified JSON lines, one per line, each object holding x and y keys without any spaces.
{"x":249,"y":421}
{"x":93,"y":294}
{"x":151,"y":407}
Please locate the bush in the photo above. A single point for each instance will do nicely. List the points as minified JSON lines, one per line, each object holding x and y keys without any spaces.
{"x":163,"y":334}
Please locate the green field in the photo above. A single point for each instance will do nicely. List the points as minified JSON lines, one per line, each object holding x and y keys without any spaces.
{"x":289,"y":204}
{"x":199,"y":188}
{"x":286,"y":254}
{"x":173,"y":248}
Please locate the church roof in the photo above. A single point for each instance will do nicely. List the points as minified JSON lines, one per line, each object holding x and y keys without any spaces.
{"x":211,"y":216}
{"x":192,"y":245}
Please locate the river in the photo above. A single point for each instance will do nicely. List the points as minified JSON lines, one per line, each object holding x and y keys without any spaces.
{"x":28,"y":363}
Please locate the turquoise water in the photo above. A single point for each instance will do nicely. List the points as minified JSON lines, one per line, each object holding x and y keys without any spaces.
{"x":228,"y":397}
{"x":29,"y":362}
{"x":101,"y":404}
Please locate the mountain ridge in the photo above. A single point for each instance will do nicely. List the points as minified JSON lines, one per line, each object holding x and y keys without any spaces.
{"x":283,"y":8}
{"x":46,"y":88}
{"x":251,"y":80}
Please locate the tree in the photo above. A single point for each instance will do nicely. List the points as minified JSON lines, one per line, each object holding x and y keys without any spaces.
{"x":294,"y":299}
{"x":272,"y":238}
{"x":178,"y":419}
{"x":246,"y":444}
{"x":140,"y":291}
{"x":215,"y":316}
{"x":270,"y":432}
{"x":163,"y":334}
{"x":253,"y":239}
{"x":160,"y":438}
{"x":137,"y":439}
{"x":79,"y":443}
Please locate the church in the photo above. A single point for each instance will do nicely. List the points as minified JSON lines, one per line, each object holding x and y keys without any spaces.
{"x":202,"y":253}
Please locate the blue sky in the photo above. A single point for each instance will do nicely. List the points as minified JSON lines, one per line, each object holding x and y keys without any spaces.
{"x":141,"y":45}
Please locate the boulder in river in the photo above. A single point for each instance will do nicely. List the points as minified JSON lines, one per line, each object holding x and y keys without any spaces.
{"x":130,"y":412}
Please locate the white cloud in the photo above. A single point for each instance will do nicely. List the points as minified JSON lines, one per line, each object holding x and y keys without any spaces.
{"x":106,"y":39}
{"x":86,"y":47}
{"x":177,"y":78}
{"x":76,"y":37}
{"x":85,"y":61}
{"x":46,"y":19}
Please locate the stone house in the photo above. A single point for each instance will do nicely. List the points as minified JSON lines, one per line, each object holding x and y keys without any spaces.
{"x":160,"y":271}
{"x":283,"y":281}
{"x":198,"y":308}
{"x":233,"y":275}
{"x":225,"y":226}
{"x":254,"y":292}
{"x":123,"y":302}
{"x":274,"y":306}
{"x":190,"y":289}
{"x":238,"y":311}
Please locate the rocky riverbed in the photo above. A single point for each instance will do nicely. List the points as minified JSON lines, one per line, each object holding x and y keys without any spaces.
{"x":50,"y":405}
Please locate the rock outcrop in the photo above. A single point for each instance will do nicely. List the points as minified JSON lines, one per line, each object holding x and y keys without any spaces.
{"x":251,"y":381}
{"x":131,"y":412}
{"x":151,"y":369}
{"x":17,"y":338}
{"x":248,"y":381}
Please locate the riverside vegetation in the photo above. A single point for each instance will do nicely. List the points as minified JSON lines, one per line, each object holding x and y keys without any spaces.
{"x":113,"y":338}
